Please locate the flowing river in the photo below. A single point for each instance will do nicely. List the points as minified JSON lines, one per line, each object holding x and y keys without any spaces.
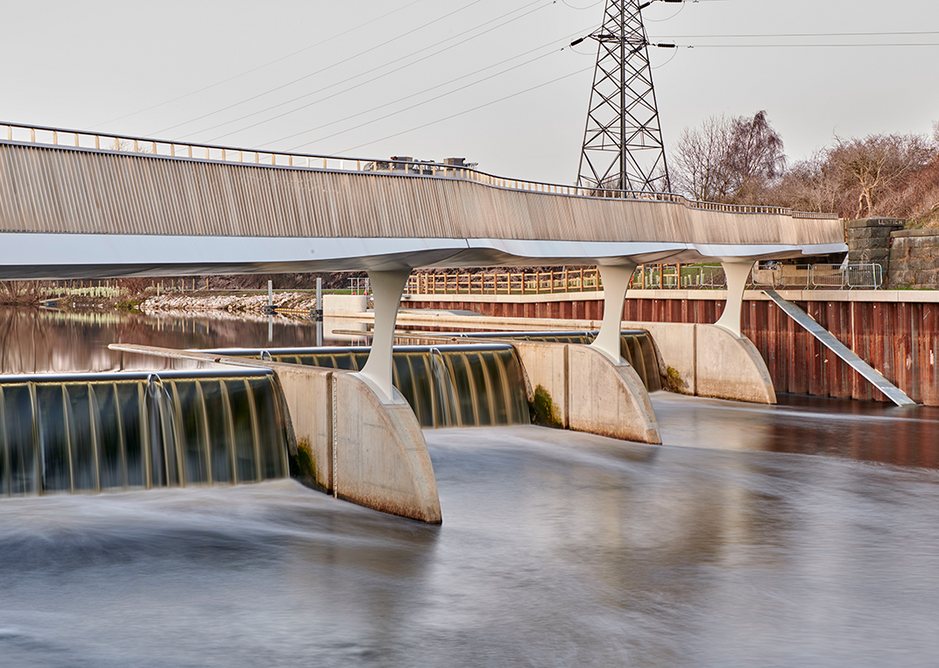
{"x":803,"y":534}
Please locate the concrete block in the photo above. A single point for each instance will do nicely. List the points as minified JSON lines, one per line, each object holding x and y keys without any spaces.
{"x":380,"y":454}
{"x":712,"y":362}
{"x":589,"y":392}
{"x":345,"y":303}
{"x":607,"y":399}
{"x":730,"y":367}
{"x":546,"y":365}
{"x":365,"y":451}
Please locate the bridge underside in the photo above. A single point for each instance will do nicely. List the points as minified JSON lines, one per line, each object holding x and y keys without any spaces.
{"x":37,"y":256}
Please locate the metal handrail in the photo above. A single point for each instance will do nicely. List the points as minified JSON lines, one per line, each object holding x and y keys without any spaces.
{"x":118,"y":376}
{"x":166,"y":148}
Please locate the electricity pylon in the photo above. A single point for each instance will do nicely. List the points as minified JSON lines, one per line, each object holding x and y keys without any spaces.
{"x":623,"y":148}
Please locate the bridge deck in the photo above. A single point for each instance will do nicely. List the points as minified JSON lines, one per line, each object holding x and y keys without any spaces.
{"x":73,"y":211}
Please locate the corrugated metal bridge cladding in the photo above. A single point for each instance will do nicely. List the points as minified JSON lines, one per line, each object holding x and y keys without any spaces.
{"x":901,"y":340}
{"x":70,"y":190}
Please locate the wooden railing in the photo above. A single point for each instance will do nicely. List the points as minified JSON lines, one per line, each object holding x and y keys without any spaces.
{"x":34,"y":134}
{"x":651,"y":277}
{"x":522,"y":283}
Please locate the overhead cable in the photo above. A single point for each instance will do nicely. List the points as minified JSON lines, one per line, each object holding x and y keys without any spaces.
{"x":259,"y":67}
{"x":368,"y":81}
{"x":467,"y":111}
{"x":321,"y":70}
{"x":418,"y":104}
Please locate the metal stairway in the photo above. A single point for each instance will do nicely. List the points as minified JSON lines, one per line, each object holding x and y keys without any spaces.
{"x":894,"y":393}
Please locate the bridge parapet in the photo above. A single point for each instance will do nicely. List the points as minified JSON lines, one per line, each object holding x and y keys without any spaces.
{"x":117,"y":143}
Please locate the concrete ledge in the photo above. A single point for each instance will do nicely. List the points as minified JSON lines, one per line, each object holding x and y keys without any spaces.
{"x":345,"y":303}
{"x":359,"y":448}
{"x":588,"y":392}
{"x":709,"y":361}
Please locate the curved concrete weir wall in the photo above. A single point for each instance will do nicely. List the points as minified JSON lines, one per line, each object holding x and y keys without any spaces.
{"x":364,"y":450}
{"x":587,"y":392}
{"x":353,"y":444}
{"x":710,"y":361}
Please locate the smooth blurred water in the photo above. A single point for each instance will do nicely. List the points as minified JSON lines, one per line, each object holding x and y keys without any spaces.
{"x":804,"y":534}
{"x":557,"y":549}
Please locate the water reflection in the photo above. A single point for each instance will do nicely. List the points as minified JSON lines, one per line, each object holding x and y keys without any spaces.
{"x":862,"y":430}
{"x":43,"y":340}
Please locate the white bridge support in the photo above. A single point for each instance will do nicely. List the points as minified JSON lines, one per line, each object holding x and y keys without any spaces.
{"x":737,"y":274}
{"x":715,"y":360}
{"x":387,"y":288}
{"x":615,"y":284}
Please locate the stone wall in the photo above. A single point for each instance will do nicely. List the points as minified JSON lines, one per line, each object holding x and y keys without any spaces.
{"x":868,"y":240}
{"x":914,"y":259}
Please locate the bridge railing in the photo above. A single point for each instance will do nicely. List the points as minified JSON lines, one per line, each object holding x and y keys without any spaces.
{"x":34,"y":134}
{"x":648,"y":277}
{"x":520,"y":283}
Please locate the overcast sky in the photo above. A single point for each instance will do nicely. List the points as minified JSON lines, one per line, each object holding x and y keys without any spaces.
{"x":328,"y":77}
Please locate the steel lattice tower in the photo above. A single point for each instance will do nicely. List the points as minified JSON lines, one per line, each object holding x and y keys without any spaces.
{"x":623,"y":148}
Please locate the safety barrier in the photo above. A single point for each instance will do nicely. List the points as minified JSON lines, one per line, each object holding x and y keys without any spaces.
{"x":649,"y":277}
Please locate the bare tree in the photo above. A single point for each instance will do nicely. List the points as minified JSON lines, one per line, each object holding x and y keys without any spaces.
{"x":20,"y":293}
{"x":729,"y":160}
{"x":870,"y":168}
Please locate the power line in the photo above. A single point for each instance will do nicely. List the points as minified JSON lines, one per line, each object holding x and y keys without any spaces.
{"x":321,"y":70}
{"x":368,"y":81}
{"x":259,"y":67}
{"x":807,"y":46}
{"x":427,"y":90}
{"x":467,"y":111}
{"x":421,"y":103}
{"x":807,"y":34}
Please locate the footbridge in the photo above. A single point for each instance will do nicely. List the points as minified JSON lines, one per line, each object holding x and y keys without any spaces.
{"x":76,"y":204}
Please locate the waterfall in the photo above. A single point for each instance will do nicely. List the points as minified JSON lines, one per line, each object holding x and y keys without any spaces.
{"x":118,"y":431}
{"x":446,"y":385}
{"x":636,"y":347}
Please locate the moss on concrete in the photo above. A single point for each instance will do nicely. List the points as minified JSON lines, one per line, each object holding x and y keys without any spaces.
{"x":302,"y":465}
{"x":673,"y":382}
{"x":543,"y":411}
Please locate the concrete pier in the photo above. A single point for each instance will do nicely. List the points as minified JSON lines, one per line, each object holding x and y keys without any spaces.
{"x":588,"y":392}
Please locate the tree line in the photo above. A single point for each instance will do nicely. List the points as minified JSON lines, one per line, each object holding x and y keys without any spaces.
{"x":741,"y":160}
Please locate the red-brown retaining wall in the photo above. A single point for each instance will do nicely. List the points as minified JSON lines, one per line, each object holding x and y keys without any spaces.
{"x":901,"y":340}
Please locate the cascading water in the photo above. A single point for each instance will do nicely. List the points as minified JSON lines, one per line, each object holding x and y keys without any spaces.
{"x":636,"y":347}
{"x":89,"y":433}
{"x":446,"y":386}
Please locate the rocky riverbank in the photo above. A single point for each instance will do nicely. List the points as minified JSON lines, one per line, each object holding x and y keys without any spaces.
{"x":227,"y":302}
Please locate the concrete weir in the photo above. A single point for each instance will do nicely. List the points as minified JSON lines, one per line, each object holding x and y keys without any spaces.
{"x":348,"y":439}
{"x":588,"y":392}
{"x":360,"y":446}
{"x":710,"y":361}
